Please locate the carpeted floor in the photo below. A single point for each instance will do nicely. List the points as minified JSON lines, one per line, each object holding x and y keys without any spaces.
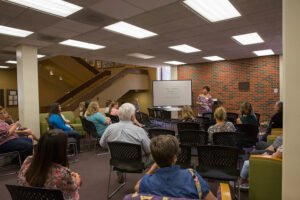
{"x":94,"y":173}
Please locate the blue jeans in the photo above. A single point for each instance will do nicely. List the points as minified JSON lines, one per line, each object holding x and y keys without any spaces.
{"x":76,"y":136}
{"x":245,"y":170}
{"x":22,"y":144}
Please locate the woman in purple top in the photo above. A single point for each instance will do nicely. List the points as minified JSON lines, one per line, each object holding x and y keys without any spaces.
{"x":205,"y":101}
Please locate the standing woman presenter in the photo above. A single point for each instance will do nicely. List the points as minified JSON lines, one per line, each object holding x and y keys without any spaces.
{"x":205,"y":101}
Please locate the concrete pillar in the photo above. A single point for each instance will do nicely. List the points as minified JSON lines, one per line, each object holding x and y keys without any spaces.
{"x":291,"y":97}
{"x":28,"y":91}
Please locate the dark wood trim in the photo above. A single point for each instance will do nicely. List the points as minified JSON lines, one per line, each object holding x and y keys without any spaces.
{"x":86,"y":65}
{"x":103,"y":86}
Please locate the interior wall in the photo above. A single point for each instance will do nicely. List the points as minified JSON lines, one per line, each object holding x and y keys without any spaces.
{"x":223,"y":77}
{"x":8,"y":80}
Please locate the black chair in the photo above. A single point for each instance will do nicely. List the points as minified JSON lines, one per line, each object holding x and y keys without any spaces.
{"x":153,"y":132}
{"x":114,"y":119}
{"x":188,"y":126}
{"x":193,"y":138}
{"x":204,"y":122}
{"x":184,"y":157}
{"x":232,"y":117}
{"x":33,"y":193}
{"x":91,"y":130}
{"x":248,"y":134}
{"x":10,"y":163}
{"x":209,"y":115}
{"x":219,"y":163}
{"x":125,"y":158}
{"x":145,"y":120}
{"x":151,"y":114}
{"x":226,"y":139}
{"x":167,"y":118}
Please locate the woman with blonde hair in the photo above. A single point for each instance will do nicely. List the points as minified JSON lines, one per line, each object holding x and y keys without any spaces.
{"x":187,"y":114}
{"x":221,"y":124}
{"x":96,"y":117}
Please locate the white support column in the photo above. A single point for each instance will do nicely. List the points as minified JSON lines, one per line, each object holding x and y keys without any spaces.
{"x":291,"y":118}
{"x":28,"y":91}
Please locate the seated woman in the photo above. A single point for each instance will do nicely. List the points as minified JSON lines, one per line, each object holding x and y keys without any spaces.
{"x":48,"y":167}
{"x":93,"y":115}
{"x":10,"y":141}
{"x":113,"y":108}
{"x":276,"y":119}
{"x":56,"y":121}
{"x":167,"y":179}
{"x":187,"y":114}
{"x":221,"y":124}
{"x":247,"y":115}
{"x":21,"y":131}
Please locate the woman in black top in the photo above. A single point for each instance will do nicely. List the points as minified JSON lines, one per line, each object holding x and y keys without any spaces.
{"x":276,"y":119}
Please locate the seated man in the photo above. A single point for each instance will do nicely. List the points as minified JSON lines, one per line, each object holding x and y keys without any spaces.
{"x":167,"y":179}
{"x":126,"y":131}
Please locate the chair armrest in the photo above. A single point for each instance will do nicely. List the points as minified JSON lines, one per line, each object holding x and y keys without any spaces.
{"x":265,"y":157}
{"x":225,"y":191}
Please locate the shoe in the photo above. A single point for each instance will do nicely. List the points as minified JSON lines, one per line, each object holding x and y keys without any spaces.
{"x":120,"y":178}
{"x":244,"y":186}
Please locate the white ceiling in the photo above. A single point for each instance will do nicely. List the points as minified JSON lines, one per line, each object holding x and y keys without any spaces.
{"x":173,"y":22}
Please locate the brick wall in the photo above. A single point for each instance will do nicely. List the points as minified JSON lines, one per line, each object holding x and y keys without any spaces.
{"x":223,"y":77}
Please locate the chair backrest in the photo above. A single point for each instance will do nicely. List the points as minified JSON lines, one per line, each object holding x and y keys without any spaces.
{"x":114,"y":119}
{"x":90,"y":127}
{"x":204,"y":122}
{"x":121,"y":151}
{"x":220,"y":157}
{"x":226,"y":139}
{"x":184,"y":157}
{"x":83,"y":120}
{"x":151,"y":113}
{"x":153,"y":132}
{"x":266,"y":178}
{"x":232,"y":117}
{"x":166,"y":115}
{"x":209,"y":115}
{"x":193,"y":137}
{"x":248,"y":134}
{"x":188,"y":126}
{"x":33,"y":193}
{"x":126,"y":157}
{"x":145,"y":118}
{"x":138,"y":116}
{"x":158,"y":113}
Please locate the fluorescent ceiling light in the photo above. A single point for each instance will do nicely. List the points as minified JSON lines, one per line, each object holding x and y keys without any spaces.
{"x":213,"y":10}
{"x":5,"y":30}
{"x":130,"y":30}
{"x":213,"y":58}
{"x":40,"y":56}
{"x":4,"y":67}
{"x":11,"y":62}
{"x":250,"y":38}
{"x":185,"y":48}
{"x":174,"y":62}
{"x":83,"y":45}
{"x":54,"y":7}
{"x":265,"y":52}
{"x":140,"y":55}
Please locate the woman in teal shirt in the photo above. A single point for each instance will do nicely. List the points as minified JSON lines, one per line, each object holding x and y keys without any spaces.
{"x":98,"y":119}
{"x":247,"y":115}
